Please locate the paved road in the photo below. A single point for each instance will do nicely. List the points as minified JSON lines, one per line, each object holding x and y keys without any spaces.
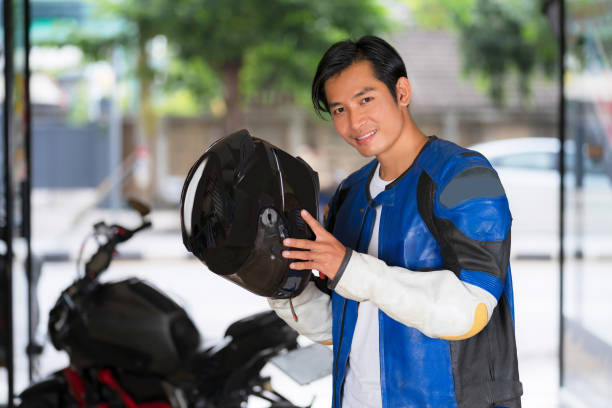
{"x":213,"y":303}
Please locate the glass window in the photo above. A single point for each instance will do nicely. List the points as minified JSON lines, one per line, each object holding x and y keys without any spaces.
{"x":587,"y":332}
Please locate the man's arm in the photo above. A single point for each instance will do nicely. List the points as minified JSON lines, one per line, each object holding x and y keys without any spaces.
{"x":436,"y":303}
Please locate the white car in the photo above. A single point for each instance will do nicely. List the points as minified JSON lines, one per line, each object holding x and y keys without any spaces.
{"x":528,"y":169}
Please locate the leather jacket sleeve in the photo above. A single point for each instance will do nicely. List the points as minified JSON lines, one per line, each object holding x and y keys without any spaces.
{"x":436,"y":303}
{"x":313,"y":311}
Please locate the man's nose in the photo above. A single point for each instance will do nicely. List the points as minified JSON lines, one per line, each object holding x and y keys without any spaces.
{"x":356,"y":121}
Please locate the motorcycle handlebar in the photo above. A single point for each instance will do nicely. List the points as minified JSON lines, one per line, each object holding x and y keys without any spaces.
{"x":122,"y":234}
{"x":100,"y":260}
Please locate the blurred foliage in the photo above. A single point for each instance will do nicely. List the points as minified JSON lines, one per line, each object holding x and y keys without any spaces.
{"x":589,"y":42}
{"x":78,"y":111}
{"x":180,"y":102}
{"x":242,"y":51}
{"x":193,"y":77}
{"x":266,"y":51}
{"x":500,"y":39}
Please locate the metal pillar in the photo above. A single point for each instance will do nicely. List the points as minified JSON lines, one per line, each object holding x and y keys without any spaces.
{"x":8,"y":194}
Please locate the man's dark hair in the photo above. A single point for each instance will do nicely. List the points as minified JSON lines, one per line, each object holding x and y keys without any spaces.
{"x":386,"y":62}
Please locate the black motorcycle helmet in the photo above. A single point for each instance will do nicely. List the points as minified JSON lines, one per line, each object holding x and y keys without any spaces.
{"x":240,"y":199}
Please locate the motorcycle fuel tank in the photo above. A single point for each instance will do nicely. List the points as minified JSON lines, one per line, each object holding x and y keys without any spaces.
{"x":127,"y":324}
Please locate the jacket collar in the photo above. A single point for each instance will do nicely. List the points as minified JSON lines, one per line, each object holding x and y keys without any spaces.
{"x":387,"y":197}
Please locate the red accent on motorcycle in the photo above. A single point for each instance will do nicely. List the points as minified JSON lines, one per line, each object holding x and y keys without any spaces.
{"x":106,"y":377}
{"x":76,"y":386}
{"x":154,"y":405}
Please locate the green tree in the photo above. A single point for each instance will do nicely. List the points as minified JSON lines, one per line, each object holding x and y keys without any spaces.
{"x":266,"y":50}
{"x":258,"y":50}
{"x":261,"y":51}
{"x":499,"y":39}
{"x":111,"y":26}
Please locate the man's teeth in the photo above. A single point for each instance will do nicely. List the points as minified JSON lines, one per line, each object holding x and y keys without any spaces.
{"x":366,"y":135}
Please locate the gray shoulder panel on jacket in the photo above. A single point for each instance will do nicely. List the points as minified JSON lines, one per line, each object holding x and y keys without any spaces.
{"x":471,"y":183}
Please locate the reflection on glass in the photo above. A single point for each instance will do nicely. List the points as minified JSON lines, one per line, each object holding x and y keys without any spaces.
{"x":588,"y":331}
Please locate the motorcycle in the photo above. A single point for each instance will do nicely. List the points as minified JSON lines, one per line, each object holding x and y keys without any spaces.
{"x":131,"y":346}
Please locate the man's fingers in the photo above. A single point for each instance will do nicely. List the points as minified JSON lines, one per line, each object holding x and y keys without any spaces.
{"x":306,"y":255}
{"x":299,"y":243}
{"x":324,"y":254}
{"x":312,"y":223}
{"x":303,"y":265}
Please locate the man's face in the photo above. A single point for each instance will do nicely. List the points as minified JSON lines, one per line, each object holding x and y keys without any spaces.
{"x":363,"y":110}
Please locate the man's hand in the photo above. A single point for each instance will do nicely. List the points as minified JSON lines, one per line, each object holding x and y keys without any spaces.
{"x":324,"y":254}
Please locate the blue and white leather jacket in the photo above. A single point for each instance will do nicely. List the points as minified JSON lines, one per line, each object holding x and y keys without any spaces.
{"x":441,"y":281}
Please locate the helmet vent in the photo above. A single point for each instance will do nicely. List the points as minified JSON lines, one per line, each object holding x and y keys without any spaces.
{"x":299,"y":221}
{"x":217,"y":201}
{"x":269,"y":217}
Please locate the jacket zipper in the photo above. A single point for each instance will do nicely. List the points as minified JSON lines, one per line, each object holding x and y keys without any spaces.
{"x":338,"y":350}
{"x":369,"y":206}
{"x":381,"y":355}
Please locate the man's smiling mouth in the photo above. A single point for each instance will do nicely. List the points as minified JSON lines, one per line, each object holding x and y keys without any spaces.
{"x":367,"y":135}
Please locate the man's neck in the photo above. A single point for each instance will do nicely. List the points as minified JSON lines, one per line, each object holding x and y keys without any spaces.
{"x":398,"y":159}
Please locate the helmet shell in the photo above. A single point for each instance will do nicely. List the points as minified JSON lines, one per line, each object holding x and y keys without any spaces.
{"x":240,"y":199}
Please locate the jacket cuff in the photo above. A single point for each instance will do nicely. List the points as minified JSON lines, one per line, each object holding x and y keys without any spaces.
{"x":313,"y":310}
{"x":347,"y":257}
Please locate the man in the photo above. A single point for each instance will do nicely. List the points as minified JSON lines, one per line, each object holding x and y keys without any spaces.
{"x":415,"y":251}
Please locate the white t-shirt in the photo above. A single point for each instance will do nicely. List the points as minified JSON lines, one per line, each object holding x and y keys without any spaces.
{"x":362,"y":385}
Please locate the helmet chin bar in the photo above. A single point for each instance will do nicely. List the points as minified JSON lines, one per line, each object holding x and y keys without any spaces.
{"x":270,"y":220}
{"x":270,"y":235}
{"x":266,"y":272}
{"x":271,"y":231}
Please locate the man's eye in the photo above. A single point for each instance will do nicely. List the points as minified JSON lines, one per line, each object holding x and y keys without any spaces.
{"x":338,"y":110}
{"x":367,"y":99}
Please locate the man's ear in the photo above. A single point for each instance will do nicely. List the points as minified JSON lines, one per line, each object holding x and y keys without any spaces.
{"x":403,"y":91}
